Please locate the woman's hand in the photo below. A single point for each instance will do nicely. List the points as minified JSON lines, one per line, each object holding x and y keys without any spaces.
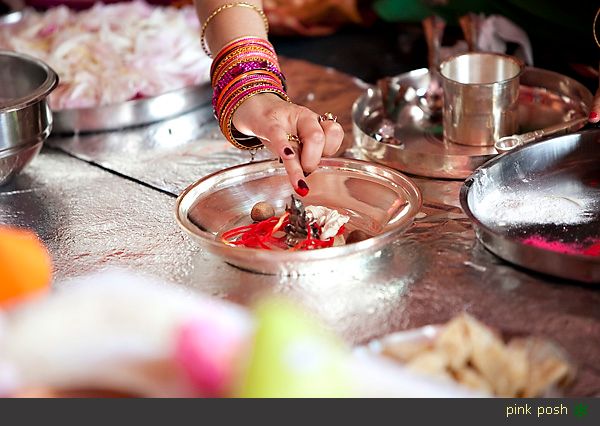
{"x":595,"y":112}
{"x":272,"y":119}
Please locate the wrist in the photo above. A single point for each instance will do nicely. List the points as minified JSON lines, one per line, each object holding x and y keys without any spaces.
{"x":255,"y":108}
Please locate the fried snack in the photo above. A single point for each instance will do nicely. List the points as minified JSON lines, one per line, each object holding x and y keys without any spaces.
{"x":472,"y":355}
{"x":548,"y":366}
{"x":405,"y":351}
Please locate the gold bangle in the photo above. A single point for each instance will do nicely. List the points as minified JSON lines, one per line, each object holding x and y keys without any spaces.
{"x":221,"y":9}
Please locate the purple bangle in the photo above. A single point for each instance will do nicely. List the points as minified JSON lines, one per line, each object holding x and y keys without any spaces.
{"x":246,"y":67}
{"x":244,"y":57}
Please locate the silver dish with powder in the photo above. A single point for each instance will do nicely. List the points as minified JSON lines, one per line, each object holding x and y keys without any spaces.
{"x":539,"y":206}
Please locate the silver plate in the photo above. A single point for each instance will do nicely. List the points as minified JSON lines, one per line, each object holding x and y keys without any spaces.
{"x":379,"y":201}
{"x":545,"y":98}
{"x":131,"y":113}
{"x":539,"y":206}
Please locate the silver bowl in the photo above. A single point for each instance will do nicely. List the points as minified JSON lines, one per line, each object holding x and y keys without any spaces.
{"x":380,"y":201}
{"x":25,"y":84}
{"x":25,"y":118}
{"x":13,"y":160}
{"x":542,"y":192}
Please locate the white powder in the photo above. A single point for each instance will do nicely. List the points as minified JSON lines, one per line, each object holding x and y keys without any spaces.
{"x":504,"y":208}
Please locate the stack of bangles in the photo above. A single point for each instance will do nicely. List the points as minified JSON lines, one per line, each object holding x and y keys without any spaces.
{"x":245,"y":67}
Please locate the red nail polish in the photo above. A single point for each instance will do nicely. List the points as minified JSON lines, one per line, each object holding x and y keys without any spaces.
{"x":288,"y":151}
{"x":593,"y":115}
{"x":302,"y":189}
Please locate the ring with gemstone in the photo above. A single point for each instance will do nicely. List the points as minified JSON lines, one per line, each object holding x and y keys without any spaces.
{"x":328,"y":116}
{"x":293,"y":138}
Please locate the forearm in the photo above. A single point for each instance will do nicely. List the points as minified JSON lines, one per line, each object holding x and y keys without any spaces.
{"x":231,"y":23}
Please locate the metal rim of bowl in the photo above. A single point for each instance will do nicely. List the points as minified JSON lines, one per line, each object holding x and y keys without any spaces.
{"x":306,"y":255}
{"x":41,"y":92}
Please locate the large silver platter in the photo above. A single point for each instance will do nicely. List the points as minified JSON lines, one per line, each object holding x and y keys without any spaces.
{"x":417,"y":146}
{"x":539,"y":206}
{"x":379,"y":201}
{"x":131,"y":113}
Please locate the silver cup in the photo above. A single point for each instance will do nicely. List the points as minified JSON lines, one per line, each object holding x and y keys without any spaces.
{"x":481,"y":93}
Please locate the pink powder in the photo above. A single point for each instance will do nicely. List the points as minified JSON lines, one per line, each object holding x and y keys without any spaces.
{"x":592,"y":248}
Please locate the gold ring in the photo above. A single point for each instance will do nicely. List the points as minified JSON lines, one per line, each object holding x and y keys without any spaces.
{"x":328,"y":117}
{"x":293,"y":138}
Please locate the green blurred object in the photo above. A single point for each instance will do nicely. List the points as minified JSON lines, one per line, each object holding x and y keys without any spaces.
{"x":403,"y":11}
{"x":293,"y":357}
{"x":559,"y":21}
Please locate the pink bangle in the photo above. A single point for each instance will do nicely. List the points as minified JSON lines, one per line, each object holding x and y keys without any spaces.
{"x":244,"y":68}
{"x":232,"y":97}
{"x":243,"y":41}
{"x":244,"y":80}
{"x":248,"y":56}
{"x":234,"y":103}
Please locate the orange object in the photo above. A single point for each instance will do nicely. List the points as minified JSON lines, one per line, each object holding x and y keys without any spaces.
{"x":25,"y":265}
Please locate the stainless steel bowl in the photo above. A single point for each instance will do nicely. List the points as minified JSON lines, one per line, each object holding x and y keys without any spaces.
{"x":13,"y":160}
{"x":379,"y":201}
{"x":25,"y":83}
{"x":538,"y":206}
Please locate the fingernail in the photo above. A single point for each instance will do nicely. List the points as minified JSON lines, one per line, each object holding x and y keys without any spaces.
{"x":593,"y":115}
{"x":302,"y":189}
{"x":306,"y":174}
{"x":288,"y":151}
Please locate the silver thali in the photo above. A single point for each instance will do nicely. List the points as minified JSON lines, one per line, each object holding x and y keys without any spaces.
{"x":539,"y":206}
{"x":131,"y":113}
{"x":380,"y":201}
{"x":402,"y":136}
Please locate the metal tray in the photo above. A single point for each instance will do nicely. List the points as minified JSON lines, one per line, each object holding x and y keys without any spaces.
{"x":417,"y":146}
{"x":539,"y":206}
{"x":131,"y":113}
{"x":379,"y":201}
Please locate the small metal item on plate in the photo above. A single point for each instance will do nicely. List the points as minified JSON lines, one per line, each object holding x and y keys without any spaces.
{"x":508,"y":143}
{"x":431,"y":102}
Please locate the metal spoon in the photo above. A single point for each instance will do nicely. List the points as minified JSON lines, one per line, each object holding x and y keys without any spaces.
{"x":508,"y":143}
{"x":431,"y":102}
{"x":470,"y":24}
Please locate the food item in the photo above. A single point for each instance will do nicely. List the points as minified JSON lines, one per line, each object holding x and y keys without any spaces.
{"x":25,"y":266}
{"x":471,"y":354}
{"x":262,"y":211}
{"x":112,"y":53}
{"x":357,"y":236}
{"x":589,"y":247}
{"x":299,"y":228}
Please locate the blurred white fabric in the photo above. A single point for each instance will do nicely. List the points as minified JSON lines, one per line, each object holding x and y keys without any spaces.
{"x":496,"y":31}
